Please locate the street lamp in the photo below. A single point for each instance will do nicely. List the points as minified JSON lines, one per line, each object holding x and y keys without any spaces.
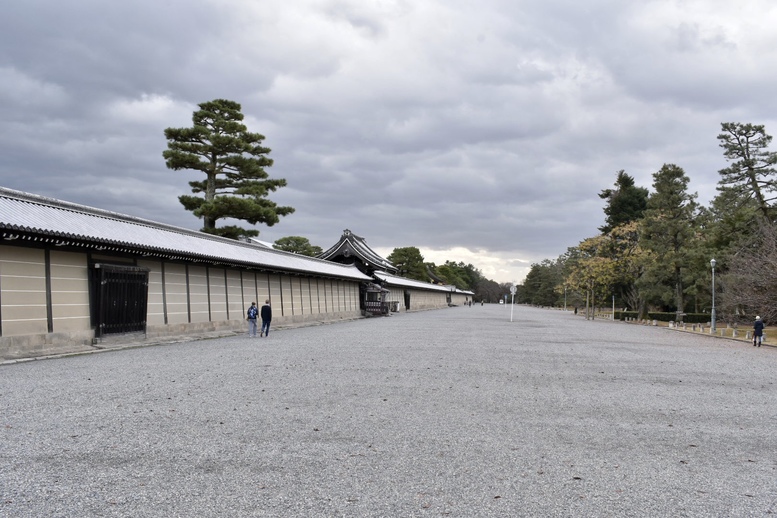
{"x":712,"y":322}
{"x":613,"y":306}
{"x":513,"y":289}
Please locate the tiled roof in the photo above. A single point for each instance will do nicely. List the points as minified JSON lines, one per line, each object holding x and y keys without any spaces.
{"x":351,"y":244}
{"x":28,"y":216}
{"x":394,"y":280}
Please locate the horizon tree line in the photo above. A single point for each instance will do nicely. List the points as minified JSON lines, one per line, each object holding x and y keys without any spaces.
{"x":653,"y":252}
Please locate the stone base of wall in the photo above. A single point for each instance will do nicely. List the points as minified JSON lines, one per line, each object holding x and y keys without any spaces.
{"x":52,"y":344}
{"x":47,"y":344}
{"x":154,"y":332}
{"x":305,"y":320}
{"x":426,"y":306}
{"x":241,"y":326}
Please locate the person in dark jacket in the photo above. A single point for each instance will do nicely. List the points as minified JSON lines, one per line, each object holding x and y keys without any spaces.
{"x":758,"y":331}
{"x":251,"y":315}
{"x":266,"y":318}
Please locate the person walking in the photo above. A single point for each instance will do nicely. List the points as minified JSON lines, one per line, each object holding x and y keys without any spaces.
{"x":758,"y":331}
{"x":251,"y":315}
{"x":266,"y":318}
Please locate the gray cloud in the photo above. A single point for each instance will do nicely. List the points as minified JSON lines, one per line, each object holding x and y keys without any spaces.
{"x":485,"y":132}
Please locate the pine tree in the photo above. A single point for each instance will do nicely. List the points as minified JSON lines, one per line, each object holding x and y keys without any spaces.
{"x":409,"y":263}
{"x":297,"y":245}
{"x":233,"y":160}
{"x":751,"y":174}
{"x":667,"y":233}
{"x":625,"y":203}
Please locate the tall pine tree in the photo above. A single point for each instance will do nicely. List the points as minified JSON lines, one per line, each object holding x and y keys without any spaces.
{"x":233,"y":160}
{"x":751,"y":174}
{"x":668,"y":229}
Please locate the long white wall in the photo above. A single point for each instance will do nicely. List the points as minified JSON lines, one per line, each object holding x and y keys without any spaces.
{"x":45,"y":303}
{"x":419,"y":299}
{"x":202,"y":297}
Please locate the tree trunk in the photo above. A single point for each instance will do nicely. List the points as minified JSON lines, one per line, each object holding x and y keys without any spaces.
{"x":210,"y":193}
{"x":679,"y":296}
{"x":587,"y":314}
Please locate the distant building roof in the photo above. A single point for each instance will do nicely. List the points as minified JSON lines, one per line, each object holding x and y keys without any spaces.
{"x":353,"y":249}
{"x":434,"y":278}
{"x":394,"y":280}
{"x":33,"y":218}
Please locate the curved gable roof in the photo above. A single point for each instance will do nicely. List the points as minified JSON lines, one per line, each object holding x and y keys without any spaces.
{"x":351,"y":245}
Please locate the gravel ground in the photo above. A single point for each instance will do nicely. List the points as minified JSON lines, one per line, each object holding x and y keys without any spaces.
{"x":455,"y":412}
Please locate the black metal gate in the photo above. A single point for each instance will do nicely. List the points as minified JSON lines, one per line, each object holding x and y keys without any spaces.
{"x":121,"y":299}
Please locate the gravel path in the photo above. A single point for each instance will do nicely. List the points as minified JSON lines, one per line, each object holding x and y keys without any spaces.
{"x":455,"y":412}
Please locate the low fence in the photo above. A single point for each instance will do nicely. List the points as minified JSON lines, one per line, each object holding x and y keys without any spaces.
{"x":723,"y":331}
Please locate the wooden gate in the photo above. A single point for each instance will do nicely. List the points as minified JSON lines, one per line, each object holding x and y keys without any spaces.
{"x":120,"y":295}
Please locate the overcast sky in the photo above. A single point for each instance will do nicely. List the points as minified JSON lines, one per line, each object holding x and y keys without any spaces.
{"x":476,"y":131}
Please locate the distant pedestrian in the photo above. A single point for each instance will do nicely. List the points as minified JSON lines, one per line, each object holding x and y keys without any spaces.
{"x":251,"y":314}
{"x":758,"y":331}
{"x":266,"y":318}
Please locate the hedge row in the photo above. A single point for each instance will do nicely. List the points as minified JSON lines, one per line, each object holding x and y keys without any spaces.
{"x":688,"y":318}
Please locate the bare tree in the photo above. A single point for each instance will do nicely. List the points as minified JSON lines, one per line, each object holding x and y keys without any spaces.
{"x":749,"y":287}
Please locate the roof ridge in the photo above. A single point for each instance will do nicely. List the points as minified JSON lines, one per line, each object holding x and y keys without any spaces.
{"x":93,"y":212}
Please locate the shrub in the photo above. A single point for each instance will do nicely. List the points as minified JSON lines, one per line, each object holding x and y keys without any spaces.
{"x":697,"y":318}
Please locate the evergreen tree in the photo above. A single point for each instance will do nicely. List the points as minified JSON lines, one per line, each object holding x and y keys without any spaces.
{"x":298,"y":245}
{"x":452,"y":274}
{"x":667,"y":232}
{"x":233,"y":160}
{"x":539,"y":287}
{"x":409,"y":263}
{"x":463,"y":276}
{"x":470,"y":274}
{"x":488,"y":290}
{"x":751,"y":174}
{"x":731,"y":220}
{"x":625,"y":203}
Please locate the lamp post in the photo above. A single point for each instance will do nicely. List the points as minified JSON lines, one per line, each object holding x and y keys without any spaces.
{"x":712,"y":321}
{"x":613,"y":306}
{"x":513,"y":289}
